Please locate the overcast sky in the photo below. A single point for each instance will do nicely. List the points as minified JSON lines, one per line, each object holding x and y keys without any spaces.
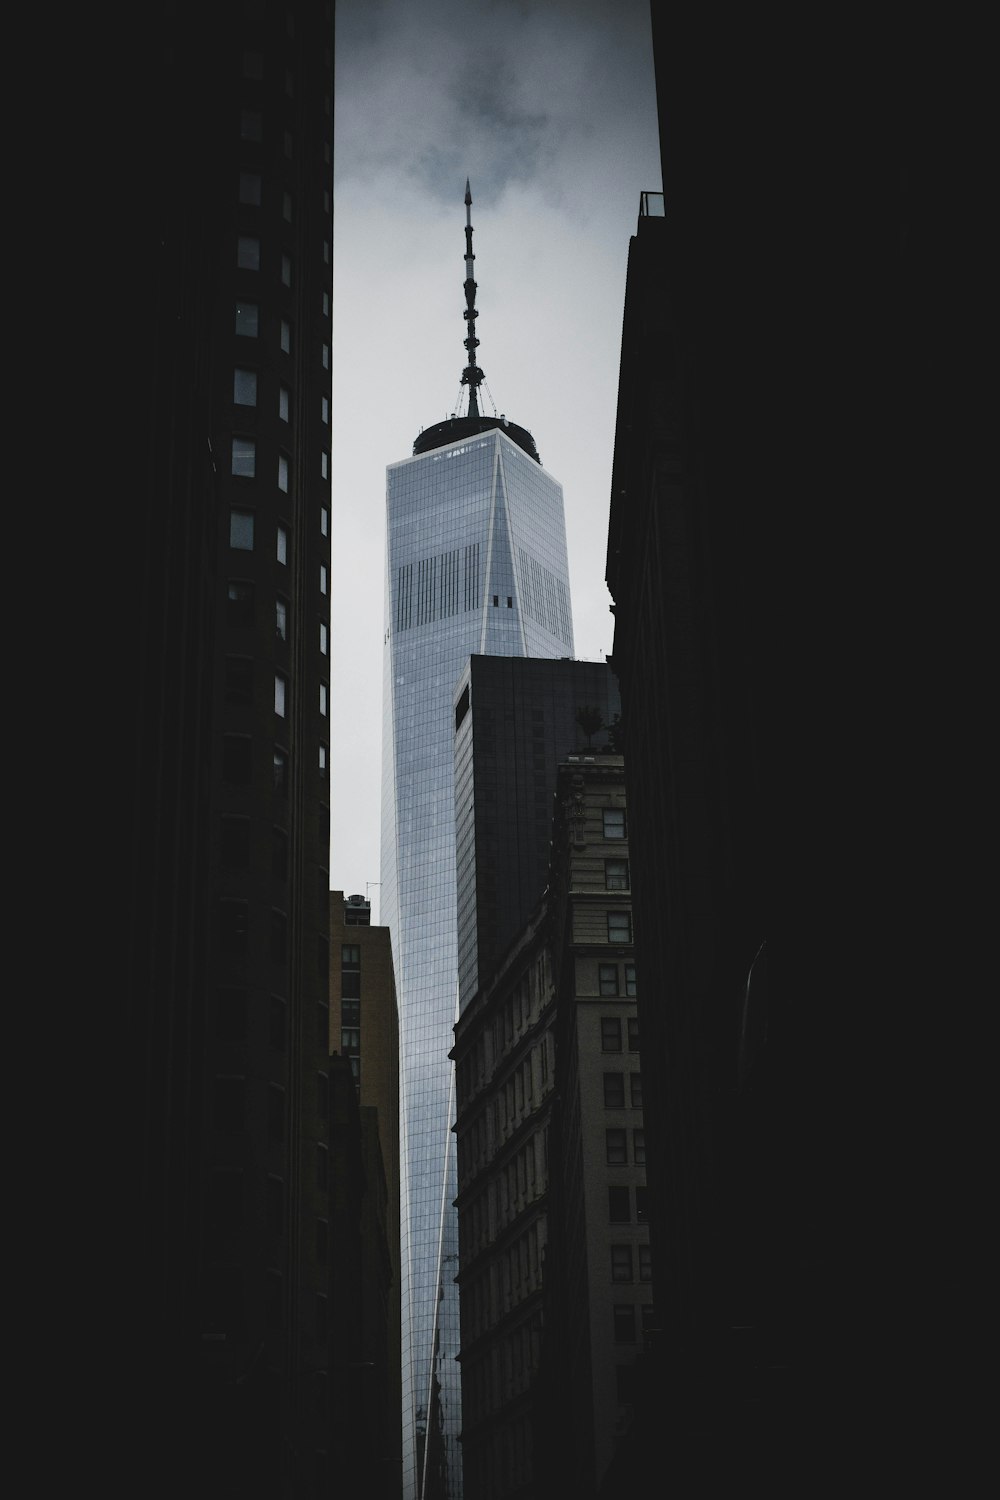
{"x":548,"y":106}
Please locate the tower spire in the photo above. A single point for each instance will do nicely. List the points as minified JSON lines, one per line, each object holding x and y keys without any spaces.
{"x":472,"y":375}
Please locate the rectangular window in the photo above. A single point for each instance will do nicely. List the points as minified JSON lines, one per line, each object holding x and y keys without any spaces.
{"x":236,"y":759}
{"x":324,"y":521}
{"x":281,"y":619}
{"x":607,"y":976}
{"x":251,"y":125}
{"x":279,"y":937}
{"x":616,"y":874}
{"x":250,"y":188}
{"x":633,"y":1034}
{"x":283,"y":403}
{"x":322,"y":578}
{"x":624,"y":1323}
{"x":350,"y":1012}
{"x":621,"y":1262}
{"x":611,"y":1034}
{"x":619,"y":927}
{"x":286,"y":207}
{"x":635,"y":1086}
{"x":283,"y":473}
{"x":322,"y":757}
{"x":614,"y":822}
{"x":350,"y":1038}
{"x":282,"y":545}
{"x":244,"y":387}
{"x":326,"y":356}
{"x":286,"y":336}
{"x":234,"y":926}
{"x":323,"y":699}
{"x":234,"y":843}
{"x":630,"y":988}
{"x":253,"y":65}
{"x":281,"y":773}
{"x":326,"y":304}
{"x":323,"y":637}
{"x":614,"y":1090}
{"x":238,"y":687}
{"x":239,"y":603}
{"x":280,"y":685}
{"x":324,"y":467}
{"x":325,"y":410}
{"x":286,"y":270}
{"x":247,"y":319}
{"x":645,"y":1262}
{"x":641,"y":1210}
{"x":614,"y":1142}
{"x":244,"y":461}
{"x":326,"y":252}
{"x":248,"y":252}
{"x":279,"y":854}
{"x":618,"y":1205}
{"x":639,"y":1147}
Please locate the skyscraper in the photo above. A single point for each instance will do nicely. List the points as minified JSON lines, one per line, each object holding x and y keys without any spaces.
{"x":475,"y":563}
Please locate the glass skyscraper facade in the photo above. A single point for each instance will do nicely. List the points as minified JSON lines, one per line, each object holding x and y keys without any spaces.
{"x":476,"y":564}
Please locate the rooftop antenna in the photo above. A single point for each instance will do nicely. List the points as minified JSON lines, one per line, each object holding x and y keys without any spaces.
{"x":472,"y":375}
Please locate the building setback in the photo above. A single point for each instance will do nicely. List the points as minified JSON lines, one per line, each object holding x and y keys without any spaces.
{"x":475,"y":562}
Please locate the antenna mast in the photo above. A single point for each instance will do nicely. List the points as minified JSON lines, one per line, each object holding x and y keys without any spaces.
{"x":472,"y":375}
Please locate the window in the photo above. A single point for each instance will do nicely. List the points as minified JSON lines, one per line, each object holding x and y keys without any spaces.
{"x":325,"y":409}
{"x":231,"y":1014}
{"x":286,"y":269}
{"x":324,"y":467}
{"x":283,"y":472}
{"x":322,"y":578}
{"x":614,"y":1090}
{"x":239,"y":680}
{"x":630,"y":988}
{"x":616,"y":874}
{"x":244,"y":462}
{"x":239,"y":603}
{"x":350,"y":973}
{"x":323,"y":637}
{"x":614,"y":1141}
{"x":251,"y":125}
{"x":247,"y":319}
{"x":286,"y":336}
{"x":607,"y":977}
{"x":648,"y":1319}
{"x":281,"y":619}
{"x":244,"y":387}
{"x":280,"y":686}
{"x":250,"y":188}
{"x":282,"y":545}
{"x":614,"y":822}
{"x":283,"y":402}
{"x":642,"y":1217}
{"x":322,"y":757}
{"x":279,"y":936}
{"x":619,"y":927}
{"x":275,"y":1112}
{"x":326,"y":356}
{"x":635,"y":1086}
{"x":645,"y":1262}
{"x":277,"y":1027}
{"x":350,"y":1012}
{"x":621,"y":1262}
{"x":279,"y":854}
{"x":618,"y":1205}
{"x":611,"y":1034}
{"x":624,"y":1323}
{"x":326,"y":252}
{"x":323,"y":698}
{"x":286,"y":207}
{"x":326,"y":304}
{"x":324,"y":519}
{"x":234,"y":926}
{"x":253,"y":65}
{"x":350,"y":1038}
{"x":229,"y":1103}
{"x":633,"y":1034}
{"x":281,"y":773}
{"x":234,"y":843}
{"x":248,"y":252}
{"x":236,"y":759}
